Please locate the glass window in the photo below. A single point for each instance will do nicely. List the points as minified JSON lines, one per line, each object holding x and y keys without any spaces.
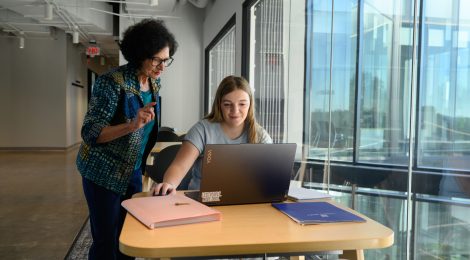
{"x":337,"y":95}
{"x":220,"y":61}
{"x":384,"y":88}
{"x":367,"y":74}
{"x":444,"y":125}
{"x":442,"y":225}
{"x":267,"y":66}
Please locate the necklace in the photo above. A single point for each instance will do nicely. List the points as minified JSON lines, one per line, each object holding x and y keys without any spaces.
{"x":144,"y":86}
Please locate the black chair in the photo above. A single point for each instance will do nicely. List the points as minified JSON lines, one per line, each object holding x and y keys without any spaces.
{"x":161,"y":162}
{"x":166,"y":128}
{"x":167,"y":136}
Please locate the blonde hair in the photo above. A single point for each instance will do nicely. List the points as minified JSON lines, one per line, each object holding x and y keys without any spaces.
{"x":226,"y":86}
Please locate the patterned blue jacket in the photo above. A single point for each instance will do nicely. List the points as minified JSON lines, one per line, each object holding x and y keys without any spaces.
{"x":115,"y":100}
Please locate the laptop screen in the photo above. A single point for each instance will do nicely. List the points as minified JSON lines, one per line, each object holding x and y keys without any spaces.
{"x":246,"y":173}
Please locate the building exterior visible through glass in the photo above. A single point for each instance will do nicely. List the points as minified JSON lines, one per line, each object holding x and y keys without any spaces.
{"x":375,"y":89}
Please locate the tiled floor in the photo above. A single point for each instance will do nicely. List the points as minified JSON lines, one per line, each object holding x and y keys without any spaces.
{"x":42,"y":205}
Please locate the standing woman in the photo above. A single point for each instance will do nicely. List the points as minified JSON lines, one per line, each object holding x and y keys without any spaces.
{"x":231,"y":121}
{"x":119,"y":130}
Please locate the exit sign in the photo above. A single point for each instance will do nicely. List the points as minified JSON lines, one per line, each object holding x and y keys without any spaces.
{"x":92,"y":51}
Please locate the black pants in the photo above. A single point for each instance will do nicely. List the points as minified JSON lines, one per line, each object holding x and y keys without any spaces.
{"x":107,"y":217}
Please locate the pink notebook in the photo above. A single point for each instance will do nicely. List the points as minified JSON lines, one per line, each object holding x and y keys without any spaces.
{"x":170,"y":210}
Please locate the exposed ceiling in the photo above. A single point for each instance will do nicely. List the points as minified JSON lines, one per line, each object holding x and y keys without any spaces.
{"x":87,"y":21}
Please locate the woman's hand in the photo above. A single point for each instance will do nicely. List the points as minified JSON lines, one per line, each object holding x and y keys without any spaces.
{"x":162,"y":189}
{"x":144,"y":116}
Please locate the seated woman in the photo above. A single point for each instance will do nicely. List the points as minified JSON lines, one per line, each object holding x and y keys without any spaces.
{"x":231,"y":121}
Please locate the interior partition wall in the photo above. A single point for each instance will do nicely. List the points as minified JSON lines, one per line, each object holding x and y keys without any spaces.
{"x":385,"y":121}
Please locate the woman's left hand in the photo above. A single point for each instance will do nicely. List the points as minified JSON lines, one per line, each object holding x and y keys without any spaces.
{"x":162,"y":189}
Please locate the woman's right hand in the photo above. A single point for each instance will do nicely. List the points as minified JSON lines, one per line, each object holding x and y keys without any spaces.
{"x":162,"y":189}
{"x":144,"y":116}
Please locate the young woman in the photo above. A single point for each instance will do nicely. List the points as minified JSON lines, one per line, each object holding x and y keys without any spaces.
{"x":119,"y":130}
{"x":231,"y":121}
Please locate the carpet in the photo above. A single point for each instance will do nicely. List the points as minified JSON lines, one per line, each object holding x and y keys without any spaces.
{"x":81,"y":244}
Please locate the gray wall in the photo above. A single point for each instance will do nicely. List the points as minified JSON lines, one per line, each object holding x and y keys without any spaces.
{"x":35,"y":92}
{"x":76,"y":97}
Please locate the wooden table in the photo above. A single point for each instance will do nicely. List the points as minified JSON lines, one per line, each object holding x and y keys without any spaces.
{"x":252,"y":229}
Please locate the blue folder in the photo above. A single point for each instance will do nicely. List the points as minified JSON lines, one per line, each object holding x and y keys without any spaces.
{"x":316,"y":212}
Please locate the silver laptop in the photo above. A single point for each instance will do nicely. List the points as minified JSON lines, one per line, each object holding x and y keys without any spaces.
{"x":245,"y":173}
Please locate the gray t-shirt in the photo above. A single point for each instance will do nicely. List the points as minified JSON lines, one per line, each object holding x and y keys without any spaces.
{"x":205,"y":132}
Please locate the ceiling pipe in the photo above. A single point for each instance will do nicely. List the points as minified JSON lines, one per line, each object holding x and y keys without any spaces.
{"x":37,"y":24}
{"x":16,"y":31}
{"x":199,"y":3}
{"x":59,"y":13}
{"x":19,"y":33}
{"x":132,"y":15}
{"x":123,"y":2}
{"x":71,"y":24}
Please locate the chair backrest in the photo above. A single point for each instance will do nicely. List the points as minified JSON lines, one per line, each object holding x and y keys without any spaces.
{"x":167,"y":136}
{"x":166,"y":128}
{"x":161,"y":162}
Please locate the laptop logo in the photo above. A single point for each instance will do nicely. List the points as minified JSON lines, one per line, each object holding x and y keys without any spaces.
{"x":209,"y":156}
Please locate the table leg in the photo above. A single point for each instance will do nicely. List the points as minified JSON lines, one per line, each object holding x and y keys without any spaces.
{"x":353,"y":254}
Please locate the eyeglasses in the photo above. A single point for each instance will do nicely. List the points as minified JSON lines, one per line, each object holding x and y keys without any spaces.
{"x":157,"y":61}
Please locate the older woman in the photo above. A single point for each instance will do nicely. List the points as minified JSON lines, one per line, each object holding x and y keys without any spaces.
{"x":119,"y":130}
{"x":231,"y":121}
